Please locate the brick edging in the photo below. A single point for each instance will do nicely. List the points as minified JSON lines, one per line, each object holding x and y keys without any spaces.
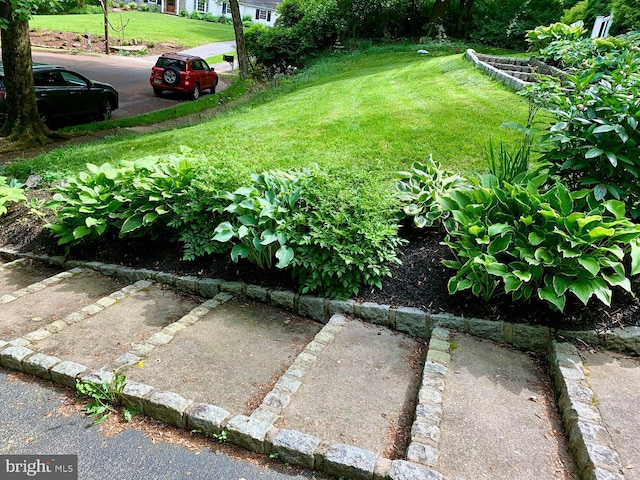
{"x":409,"y":320}
{"x":503,"y":77}
{"x":589,"y":439}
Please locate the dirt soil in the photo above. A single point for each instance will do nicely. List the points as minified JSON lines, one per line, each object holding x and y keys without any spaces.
{"x":78,"y":42}
{"x":421,"y":280}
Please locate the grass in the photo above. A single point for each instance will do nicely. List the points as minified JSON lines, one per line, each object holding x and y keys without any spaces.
{"x":218,"y":58}
{"x":363,"y":116}
{"x":143,"y":26}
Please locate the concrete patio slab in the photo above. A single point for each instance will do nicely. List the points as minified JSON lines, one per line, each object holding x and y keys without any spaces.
{"x":231,"y":357}
{"x":38,"y":309}
{"x":500,"y":420}
{"x":99,"y":339}
{"x":615,"y":381}
{"x":362,"y":391}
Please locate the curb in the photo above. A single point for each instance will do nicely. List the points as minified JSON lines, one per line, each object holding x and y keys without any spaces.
{"x":412,"y":321}
{"x":589,"y":439}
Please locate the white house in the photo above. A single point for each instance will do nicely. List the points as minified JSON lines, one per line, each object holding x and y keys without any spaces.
{"x":261,"y":11}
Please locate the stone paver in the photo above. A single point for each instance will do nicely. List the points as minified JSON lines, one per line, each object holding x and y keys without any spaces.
{"x":361,"y":390}
{"x":50,"y":303}
{"x":615,"y":380}
{"x":231,"y":357}
{"x":98,"y":340}
{"x":496,"y":422}
{"x":17,"y":275}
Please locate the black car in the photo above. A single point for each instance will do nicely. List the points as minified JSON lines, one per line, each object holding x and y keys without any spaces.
{"x":63,"y":95}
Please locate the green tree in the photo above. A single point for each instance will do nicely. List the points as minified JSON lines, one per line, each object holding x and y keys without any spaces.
{"x":23,"y":126}
{"x":626,"y":15}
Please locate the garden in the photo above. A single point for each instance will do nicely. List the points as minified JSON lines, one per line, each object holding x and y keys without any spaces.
{"x":383,"y":175}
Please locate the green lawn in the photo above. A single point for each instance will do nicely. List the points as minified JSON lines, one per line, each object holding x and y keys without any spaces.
{"x":143,"y":26}
{"x":364,"y":116}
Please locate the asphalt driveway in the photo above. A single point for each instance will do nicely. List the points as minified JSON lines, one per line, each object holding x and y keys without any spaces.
{"x":129,"y":76}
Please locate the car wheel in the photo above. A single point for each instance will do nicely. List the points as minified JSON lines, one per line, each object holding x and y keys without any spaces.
{"x":215,"y":85}
{"x":196,"y":92}
{"x":157,"y":91}
{"x":106,"y":111}
{"x":171,"y":76}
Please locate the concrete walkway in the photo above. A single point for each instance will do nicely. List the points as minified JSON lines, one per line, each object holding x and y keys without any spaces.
{"x":308,"y":380}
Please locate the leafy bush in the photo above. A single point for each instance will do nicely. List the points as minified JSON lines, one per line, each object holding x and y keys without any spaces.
{"x":421,"y":189}
{"x":575,"y":13}
{"x":260,"y":224}
{"x":342,"y":238}
{"x":133,"y":197}
{"x":10,"y":192}
{"x":595,"y":141}
{"x":541,"y":37}
{"x":526,"y":239}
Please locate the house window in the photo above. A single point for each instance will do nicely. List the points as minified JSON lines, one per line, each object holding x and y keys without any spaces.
{"x":201,"y":5}
{"x":155,"y":2}
{"x":225,"y":8}
{"x":263,"y":15}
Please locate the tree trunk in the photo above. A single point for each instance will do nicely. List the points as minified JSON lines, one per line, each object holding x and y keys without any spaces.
{"x":241,"y":45}
{"x":463,"y":17}
{"x":23,"y":125}
{"x":105,"y":12}
{"x":440,"y":8}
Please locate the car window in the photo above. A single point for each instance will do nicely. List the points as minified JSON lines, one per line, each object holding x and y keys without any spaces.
{"x":171,"y":62}
{"x":197,"y":65}
{"x":48,"y":79}
{"x":73,"y":79}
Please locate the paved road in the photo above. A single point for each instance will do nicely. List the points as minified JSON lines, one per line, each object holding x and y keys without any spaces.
{"x":129,"y":75}
{"x":32,"y":423}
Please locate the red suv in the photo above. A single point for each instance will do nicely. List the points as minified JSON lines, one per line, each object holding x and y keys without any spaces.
{"x":183,"y":73}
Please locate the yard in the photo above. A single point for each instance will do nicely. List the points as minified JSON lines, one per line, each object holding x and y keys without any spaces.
{"x":361,"y":119}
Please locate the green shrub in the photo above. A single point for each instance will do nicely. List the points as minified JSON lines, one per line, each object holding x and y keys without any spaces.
{"x":260,"y":224}
{"x":576,"y":13}
{"x":10,"y":192}
{"x":526,"y":239}
{"x":421,"y":189}
{"x":134,"y":198}
{"x":343,"y":239}
{"x":541,"y":37}
{"x":595,"y":141}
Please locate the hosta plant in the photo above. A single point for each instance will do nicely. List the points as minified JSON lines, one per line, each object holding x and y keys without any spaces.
{"x":10,"y":192}
{"x":260,"y":214}
{"x":132,"y":198}
{"x":421,"y":189}
{"x":527,"y":239}
{"x":595,"y":140}
{"x":542,"y":36}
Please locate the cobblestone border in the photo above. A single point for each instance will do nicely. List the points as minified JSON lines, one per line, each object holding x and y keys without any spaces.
{"x":77,"y":316}
{"x":41,"y":285}
{"x":411,"y":321}
{"x":501,"y":76}
{"x":287,"y":385}
{"x":12,"y":264}
{"x":589,"y":439}
{"x":425,"y":431}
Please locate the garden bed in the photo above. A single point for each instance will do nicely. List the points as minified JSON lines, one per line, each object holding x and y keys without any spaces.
{"x":420,"y":282}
